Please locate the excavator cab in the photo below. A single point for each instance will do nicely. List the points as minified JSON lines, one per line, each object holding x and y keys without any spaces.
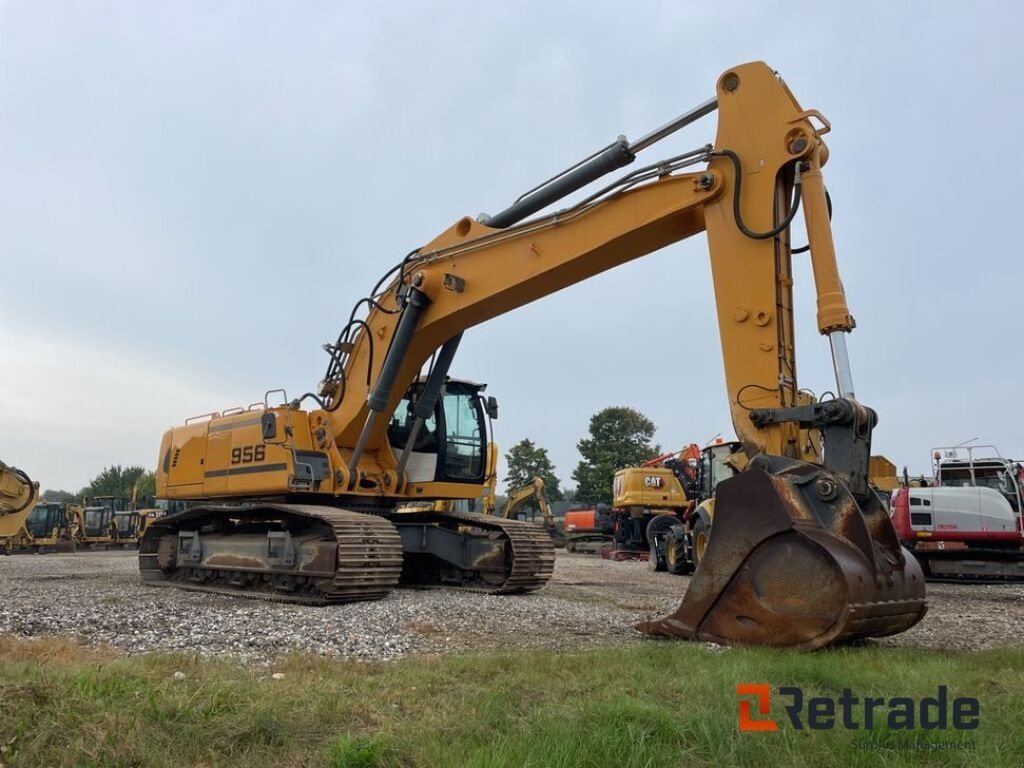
{"x":127,"y":524}
{"x":715,"y":466}
{"x":451,"y":445}
{"x":99,"y":518}
{"x":98,"y":522}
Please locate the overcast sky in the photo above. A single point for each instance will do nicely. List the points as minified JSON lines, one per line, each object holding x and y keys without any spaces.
{"x":193,"y":194}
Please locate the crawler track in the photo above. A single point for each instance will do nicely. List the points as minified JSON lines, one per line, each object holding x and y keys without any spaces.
{"x":979,"y":565}
{"x":367,"y":565}
{"x":532,"y":552}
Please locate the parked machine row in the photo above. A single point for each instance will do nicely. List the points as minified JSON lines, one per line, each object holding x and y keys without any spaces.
{"x":30,"y":525}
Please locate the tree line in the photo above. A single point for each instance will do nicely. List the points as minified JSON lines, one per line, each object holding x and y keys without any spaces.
{"x":617,"y":437}
{"x":126,"y":482}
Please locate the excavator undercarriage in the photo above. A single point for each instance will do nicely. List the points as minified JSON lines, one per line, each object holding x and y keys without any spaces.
{"x":318,"y":555}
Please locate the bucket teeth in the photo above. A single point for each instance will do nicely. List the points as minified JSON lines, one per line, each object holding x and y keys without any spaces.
{"x":795,"y":561}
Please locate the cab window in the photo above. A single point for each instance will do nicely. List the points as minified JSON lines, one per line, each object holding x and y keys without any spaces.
{"x":401,"y":427}
{"x":464,"y":442}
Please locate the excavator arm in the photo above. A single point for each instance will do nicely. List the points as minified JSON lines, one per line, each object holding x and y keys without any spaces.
{"x":767,"y":151}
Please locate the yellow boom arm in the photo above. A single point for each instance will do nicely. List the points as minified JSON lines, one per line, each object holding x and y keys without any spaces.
{"x":471,"y":273}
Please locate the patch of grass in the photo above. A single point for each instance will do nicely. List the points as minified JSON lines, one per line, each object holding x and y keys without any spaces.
{"x":359,"y":752}
{"x":656,"y":704}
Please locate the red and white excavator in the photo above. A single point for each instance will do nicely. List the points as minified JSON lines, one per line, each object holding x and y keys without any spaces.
{"x":965,"y":522}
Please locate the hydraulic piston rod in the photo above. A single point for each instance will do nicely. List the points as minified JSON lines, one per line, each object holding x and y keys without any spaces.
{"x":841,"y":364}
{"x":616,"y":155}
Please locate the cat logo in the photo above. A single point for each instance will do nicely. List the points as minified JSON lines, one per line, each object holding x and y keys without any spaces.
{"x":653,"y":481}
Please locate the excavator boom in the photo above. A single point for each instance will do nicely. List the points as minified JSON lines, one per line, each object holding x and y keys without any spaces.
{"x":803,"y":553}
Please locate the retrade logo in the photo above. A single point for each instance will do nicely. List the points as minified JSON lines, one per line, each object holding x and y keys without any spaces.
{"x":823,"y":713}
{"x":762,"y":695}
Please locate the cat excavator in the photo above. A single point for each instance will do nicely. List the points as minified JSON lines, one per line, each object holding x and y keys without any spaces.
{"x":18,"y":494}
{"x":295,"y":499}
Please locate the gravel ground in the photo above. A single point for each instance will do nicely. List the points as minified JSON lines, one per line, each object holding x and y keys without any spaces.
{"x":97,"y":597}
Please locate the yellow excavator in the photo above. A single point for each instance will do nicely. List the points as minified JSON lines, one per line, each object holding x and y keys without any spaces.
{"x":18,"y":494}
{"x":535,"y":492}
{"x":295,"y":499}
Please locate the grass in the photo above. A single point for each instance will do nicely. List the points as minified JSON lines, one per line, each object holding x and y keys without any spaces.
{"x":659,"y":704}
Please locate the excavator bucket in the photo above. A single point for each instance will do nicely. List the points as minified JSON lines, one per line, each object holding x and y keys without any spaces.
{"x":795,"y":561}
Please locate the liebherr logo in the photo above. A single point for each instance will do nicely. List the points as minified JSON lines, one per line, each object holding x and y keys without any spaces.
{"x":823,"y":713}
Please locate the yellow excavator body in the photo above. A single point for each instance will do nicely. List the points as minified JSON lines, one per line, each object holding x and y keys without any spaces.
{"x":297,"y":501}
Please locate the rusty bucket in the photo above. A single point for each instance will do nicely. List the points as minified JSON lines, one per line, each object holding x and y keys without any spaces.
{"x":795,"y":561}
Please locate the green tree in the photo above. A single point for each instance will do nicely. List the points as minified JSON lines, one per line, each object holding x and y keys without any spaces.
{"x":123,"y":481}
{"x":145,"y":493}
{"x":619,"y":437}
{"x":527,"y":461}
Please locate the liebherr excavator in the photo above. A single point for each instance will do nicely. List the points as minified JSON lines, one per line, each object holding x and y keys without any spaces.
{"x":299,"y":504}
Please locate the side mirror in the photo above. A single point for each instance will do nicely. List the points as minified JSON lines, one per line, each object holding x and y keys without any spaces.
{"x":492,"y":407}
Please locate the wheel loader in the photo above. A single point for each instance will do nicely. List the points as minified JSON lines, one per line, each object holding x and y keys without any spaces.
{"x":294,"y":499}
{"x":666,"y":506}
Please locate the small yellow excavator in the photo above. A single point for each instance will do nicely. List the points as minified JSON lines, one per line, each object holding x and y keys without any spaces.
{"x":535,"y":492}
{"x":294,"y":499}
{"x":18,"y":494}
